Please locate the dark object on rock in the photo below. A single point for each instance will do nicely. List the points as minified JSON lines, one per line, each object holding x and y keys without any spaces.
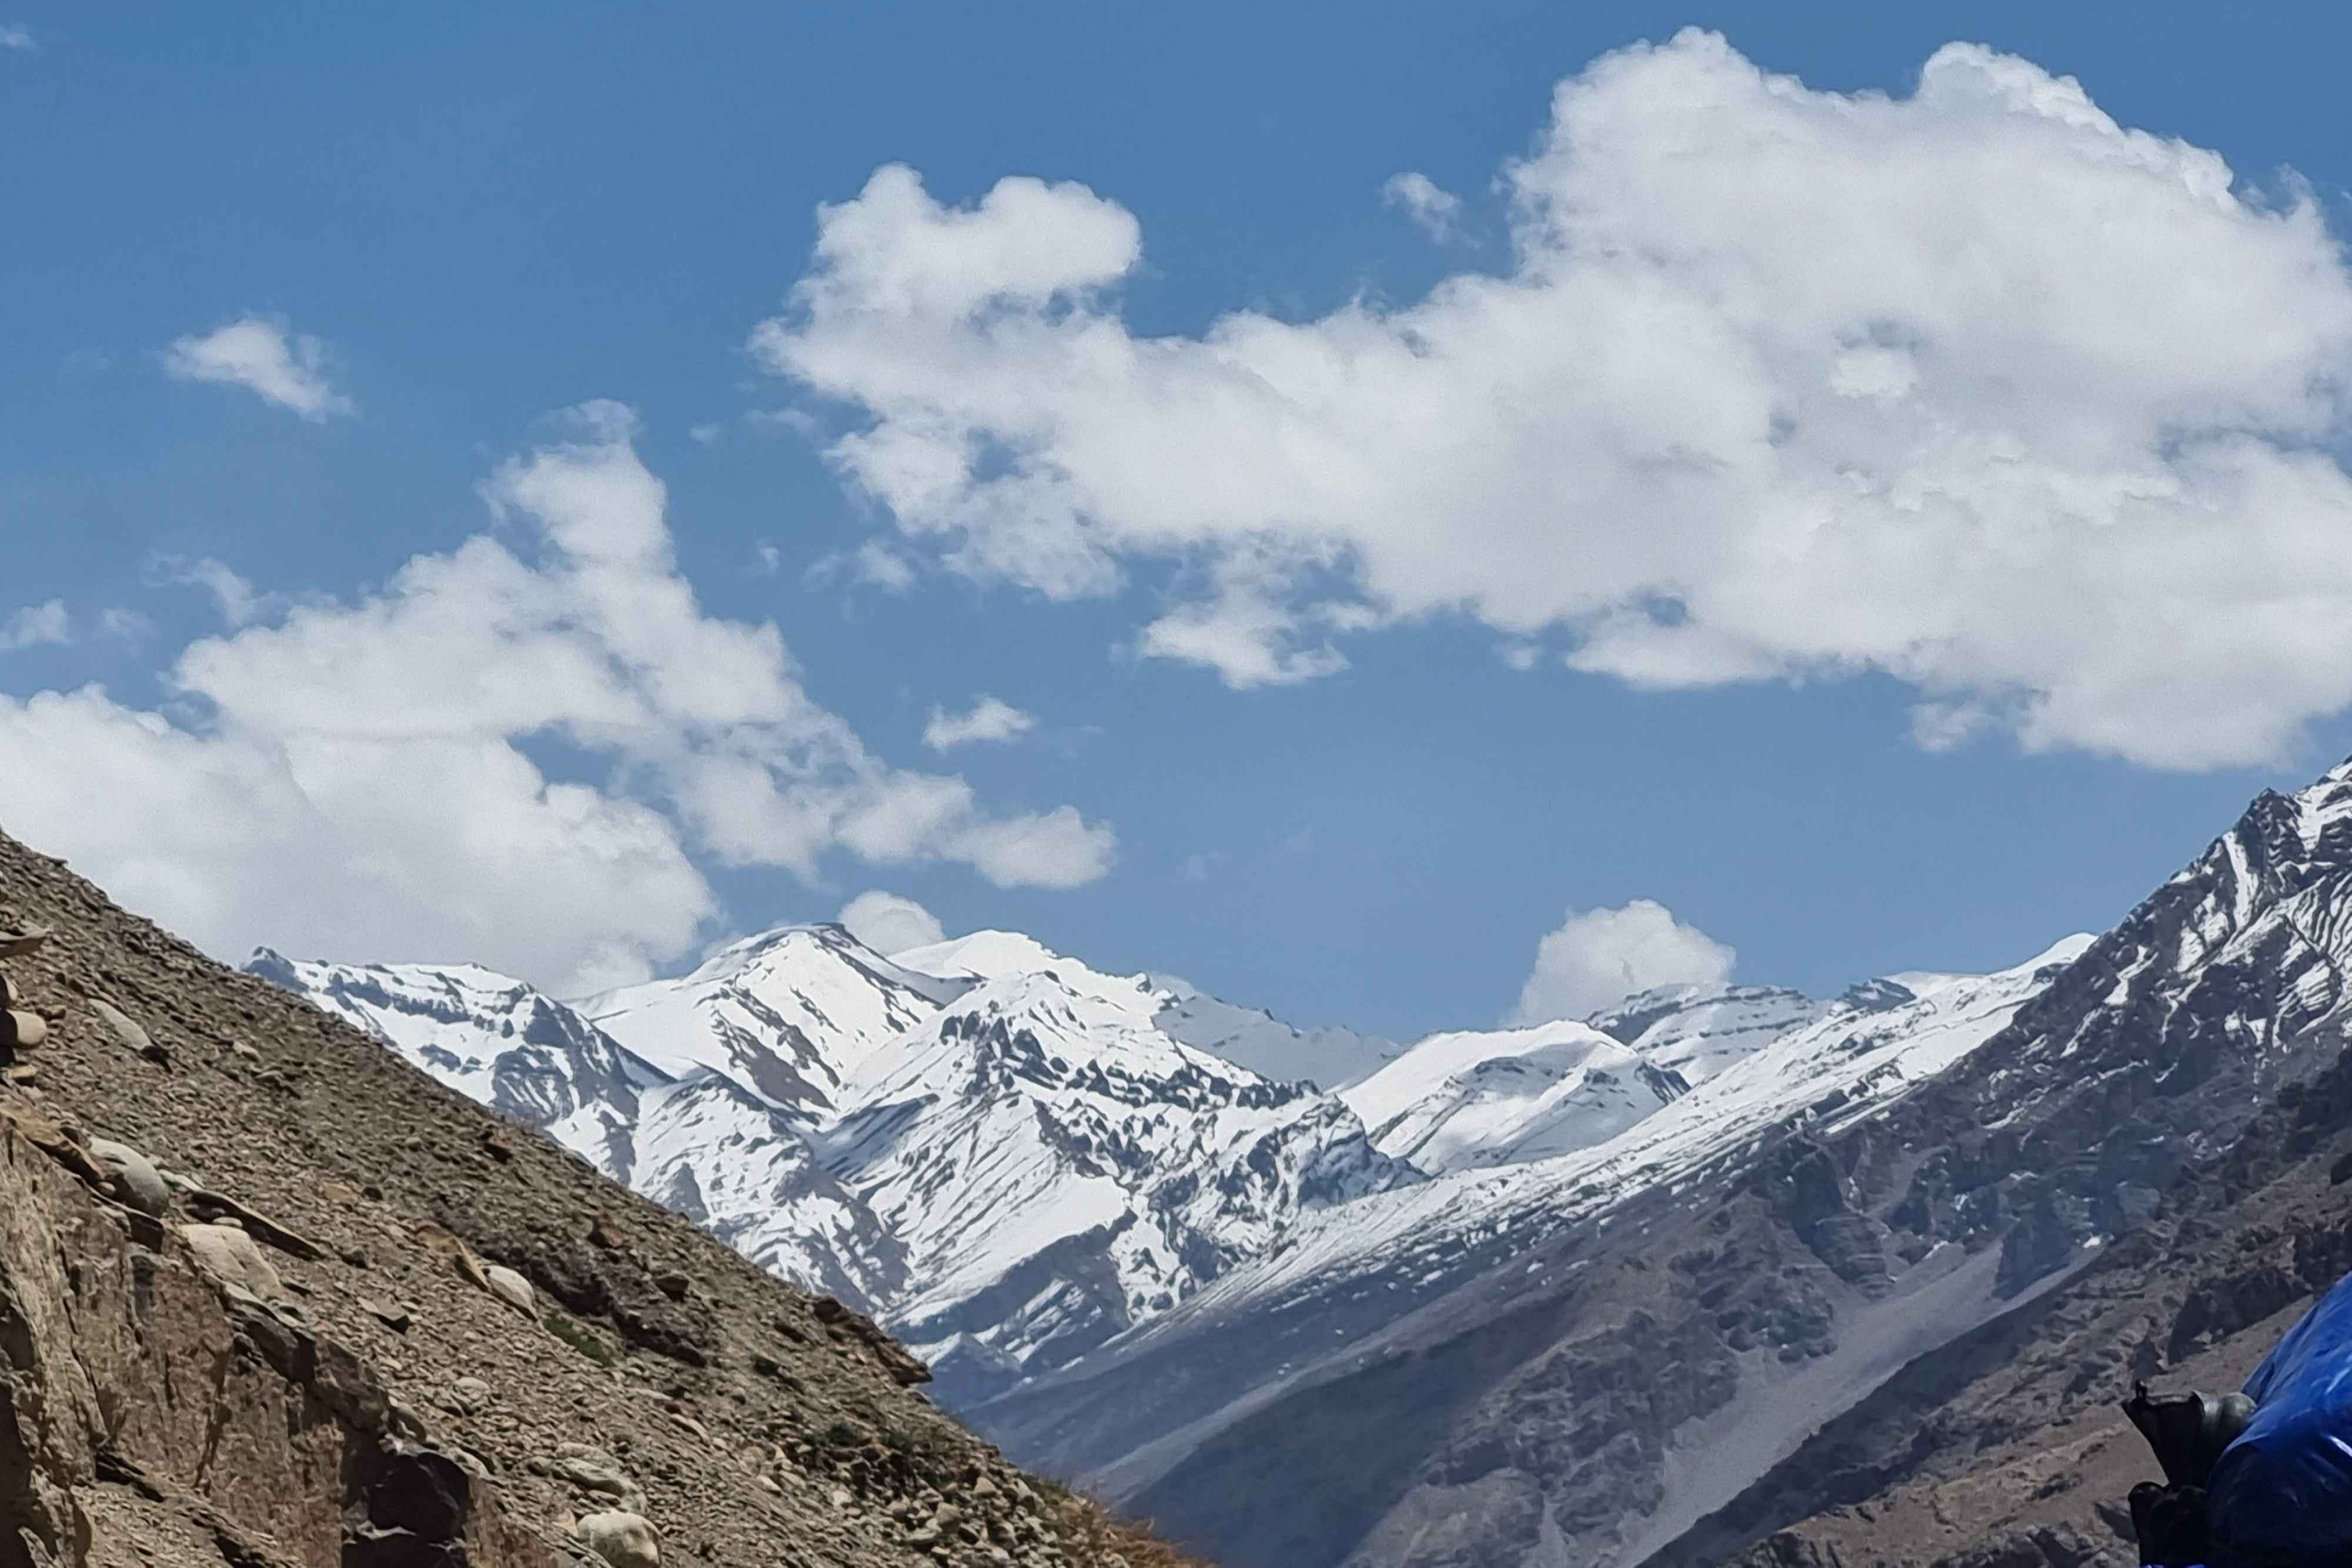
{"x":412,"y":1510}
{"x":2187,"y":1431}
{"x":391,"y":1315}
{"x":2170,"y":1522}
{"x":673,"y":1285}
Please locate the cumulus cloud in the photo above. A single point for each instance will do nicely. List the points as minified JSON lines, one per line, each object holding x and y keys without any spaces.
{"x":1435,"y":211}
{"x":990,"y":720}
{"x":888,"y":923}
{"x":1602,"y":956}
{"x":288,"y":369}
{"x":35,"y":624}
{"x":18,"y":40}
{"x":365,"y":779}
{"x":1972,"y":387}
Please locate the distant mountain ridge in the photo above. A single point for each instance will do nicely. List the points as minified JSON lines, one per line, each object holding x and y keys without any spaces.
{"x":1132,"y":1234}
{"x":1011,"y":1159}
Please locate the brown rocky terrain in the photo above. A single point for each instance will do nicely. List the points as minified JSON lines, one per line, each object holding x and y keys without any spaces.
{"x":269,"y":1296}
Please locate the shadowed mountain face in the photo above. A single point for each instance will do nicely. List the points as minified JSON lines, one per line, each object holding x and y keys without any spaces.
{"x":1581,"y":1359}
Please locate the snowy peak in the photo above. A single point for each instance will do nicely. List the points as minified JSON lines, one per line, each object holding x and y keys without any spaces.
{"x":1060,"y":1169}
{"x":487,"y":1035}
{"x":1461,"y":1099}
{"x":1065,"y":1027}
{"x":985,"y":956}
{"x":1479,"y":1098}
{"x":1327,"y":1058}
{"x":1698,"y":1030}
{"x":788,"y":1016}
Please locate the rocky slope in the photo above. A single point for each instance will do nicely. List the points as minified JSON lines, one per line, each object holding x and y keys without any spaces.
{"x":1582,"y":1359}
{"x":2007,"y":1446}
{"x":356,"y":1319}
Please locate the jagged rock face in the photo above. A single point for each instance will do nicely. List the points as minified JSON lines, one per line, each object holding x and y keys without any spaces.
{"x":2009,"y":1444}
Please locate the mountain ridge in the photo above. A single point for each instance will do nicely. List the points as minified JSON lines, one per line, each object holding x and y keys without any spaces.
{"x":1179,"y":1262}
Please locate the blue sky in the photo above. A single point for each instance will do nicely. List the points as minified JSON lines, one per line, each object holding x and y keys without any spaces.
{"x":497,"y":213}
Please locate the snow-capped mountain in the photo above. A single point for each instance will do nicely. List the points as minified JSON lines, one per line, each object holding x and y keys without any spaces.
{"x":1001,"y":1151}
{"x":1061,"y":1168}
{"x":786,"y":1015}
{"x":1578,"y":1286}
{"x":1505,"y":1096}
{"x":744,"y":1171}
{"x":1498,"y":1097}
{"x":1697,"y":1031}
{"x":1329,"y":1059}
{"x":488,"y":1036}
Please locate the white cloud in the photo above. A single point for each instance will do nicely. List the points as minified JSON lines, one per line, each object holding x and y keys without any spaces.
{"x":240,"y":602}
{"x":873,"y":563}
{"x":888,"y":923}
{"x":1974,"y":387}
{"x":361,"y":782}
{"x":120,"y":624}
{"x":1435,"y":211}
{"x":286,"y":370}
{"x":35,"y":625}
{"x":990,"y":720}
{"x":1601,"y":955}
{"x":18,"y":40}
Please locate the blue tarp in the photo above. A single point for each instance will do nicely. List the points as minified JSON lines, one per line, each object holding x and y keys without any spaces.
{"x":2286,"y":1485}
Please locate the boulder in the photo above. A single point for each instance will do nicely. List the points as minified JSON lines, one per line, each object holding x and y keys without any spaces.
{"x":596,"y":1472}
{"x":510,"y":1287}
{"x":15,"y":944}
{"x":136,"y":1180}
{"x":622,"y":1540}
{"x":230,"y":1257}
{"x":23,"y":1030}
{"x":124,"y":1028}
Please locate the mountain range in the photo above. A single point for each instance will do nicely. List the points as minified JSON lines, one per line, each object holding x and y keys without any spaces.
{"x":1582,"y":1291}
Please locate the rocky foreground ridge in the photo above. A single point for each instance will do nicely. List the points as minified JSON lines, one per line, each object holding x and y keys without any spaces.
{"x":270,"y":1296}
